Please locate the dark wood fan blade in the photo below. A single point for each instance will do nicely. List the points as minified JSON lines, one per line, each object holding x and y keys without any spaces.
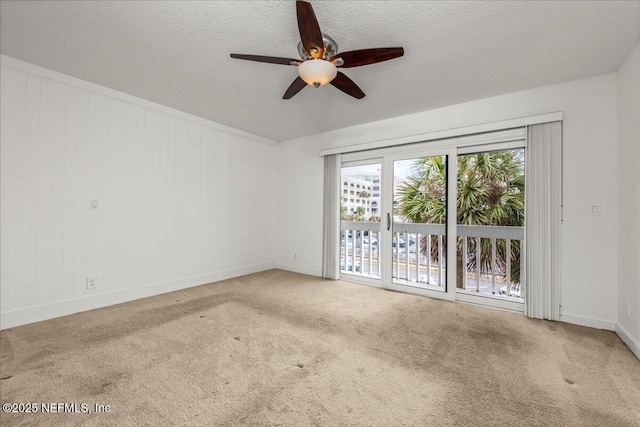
{"x":297,"y":85}
{"x":310,"y":33}
{"x":268,"y":59}
{"x":347,"y":85}
{"x":357,"y":58}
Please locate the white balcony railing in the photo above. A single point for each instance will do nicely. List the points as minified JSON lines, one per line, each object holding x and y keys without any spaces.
{"x":411,"y":245}
{"x":419,"y":255}
{"x":359,"y":248}
{"x":496,"y":236}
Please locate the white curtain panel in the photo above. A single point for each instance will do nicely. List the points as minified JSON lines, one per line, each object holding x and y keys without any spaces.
{"x":543,"y":217}
{"x":331,"y":218}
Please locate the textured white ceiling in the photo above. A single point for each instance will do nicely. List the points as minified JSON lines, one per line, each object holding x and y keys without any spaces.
{"x":177,"y":53}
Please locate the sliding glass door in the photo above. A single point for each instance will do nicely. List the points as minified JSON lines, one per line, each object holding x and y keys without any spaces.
{"x":446,"y":222}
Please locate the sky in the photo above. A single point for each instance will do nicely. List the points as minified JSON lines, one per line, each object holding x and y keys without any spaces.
{"x":402,"y":168}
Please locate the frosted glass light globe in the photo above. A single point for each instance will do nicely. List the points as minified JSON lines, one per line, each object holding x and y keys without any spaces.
{"x":317,"y":72}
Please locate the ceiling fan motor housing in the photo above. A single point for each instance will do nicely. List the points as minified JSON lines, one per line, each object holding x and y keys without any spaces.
{"x":330,"y":48}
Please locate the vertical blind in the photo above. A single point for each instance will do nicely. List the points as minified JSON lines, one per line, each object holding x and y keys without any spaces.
{"x":543,"y":216}
{"x":331,"y":218}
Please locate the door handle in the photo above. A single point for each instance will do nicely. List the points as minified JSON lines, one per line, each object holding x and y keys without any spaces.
{"x":388,"y":221}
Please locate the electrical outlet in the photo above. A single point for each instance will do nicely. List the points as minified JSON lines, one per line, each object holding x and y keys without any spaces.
{"x":628,"y":309}
{"x":94,"y":204}
{"x":295,"y":255}
{"x":92,"y":282}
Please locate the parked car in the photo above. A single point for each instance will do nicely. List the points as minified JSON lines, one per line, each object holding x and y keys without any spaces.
{"x":402,"y":243}
{"x":349,"y":266}
{"x":374,"y":241}
{"x":365,"y":244}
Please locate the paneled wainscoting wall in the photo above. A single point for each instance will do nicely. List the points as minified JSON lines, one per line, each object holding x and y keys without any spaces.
{"x":178,"y":201}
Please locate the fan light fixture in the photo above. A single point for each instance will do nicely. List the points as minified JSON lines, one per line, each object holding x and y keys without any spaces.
{"x":320,"y":57}
{"x":317,"y":72}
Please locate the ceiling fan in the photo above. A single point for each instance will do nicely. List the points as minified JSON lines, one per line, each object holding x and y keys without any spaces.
{"x":320,"y":58}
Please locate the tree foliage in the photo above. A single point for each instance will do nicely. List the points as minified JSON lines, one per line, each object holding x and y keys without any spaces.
{"x":490,"y":192}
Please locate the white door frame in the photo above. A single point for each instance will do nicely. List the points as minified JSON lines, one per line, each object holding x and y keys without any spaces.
{"x":387,"y":231}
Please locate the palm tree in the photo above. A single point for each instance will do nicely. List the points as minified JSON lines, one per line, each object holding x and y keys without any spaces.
{"x":343,"y":212}
{"x":490,"y":192}
{"x":364,"y":195}
{"x":358,"y":213}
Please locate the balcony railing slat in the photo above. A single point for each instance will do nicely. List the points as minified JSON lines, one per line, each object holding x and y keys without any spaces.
{"x":440,"y":260}
{"x":428,"y":258}
{"x":464,"y":262}
{"x":370,"y":252}
{"x":523,"y":276}
{"x":478,"y":263}
{"x":406,"y":251}
{"x":397,"y":256}
{"x":354,"y":237}
{"x":418,"y":258}
{"x":508,"y":262}
{"x":355,"y":252}
{"x":493,"y":265}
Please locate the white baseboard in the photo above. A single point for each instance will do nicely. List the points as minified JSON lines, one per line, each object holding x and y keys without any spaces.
{"x":317,"y":273}
{"x":23,"y":316}
{"x":624,"y":335}
{"x":591,"y":322}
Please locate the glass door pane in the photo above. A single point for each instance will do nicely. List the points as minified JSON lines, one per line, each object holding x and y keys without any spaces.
{"x":360,"y":220}
{"x":490,"y":224}
{"x":419,"y":233}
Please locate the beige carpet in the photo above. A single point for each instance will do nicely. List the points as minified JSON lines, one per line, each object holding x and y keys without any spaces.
{"x":278,"y":348}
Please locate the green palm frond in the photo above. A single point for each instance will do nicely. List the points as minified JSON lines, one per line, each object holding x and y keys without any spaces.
{"x":491,"y":189}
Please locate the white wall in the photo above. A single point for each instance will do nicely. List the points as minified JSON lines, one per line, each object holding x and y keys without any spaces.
{"x":182,"y":201}
{"x":589,"y":243}
{"x":629,"y":200}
